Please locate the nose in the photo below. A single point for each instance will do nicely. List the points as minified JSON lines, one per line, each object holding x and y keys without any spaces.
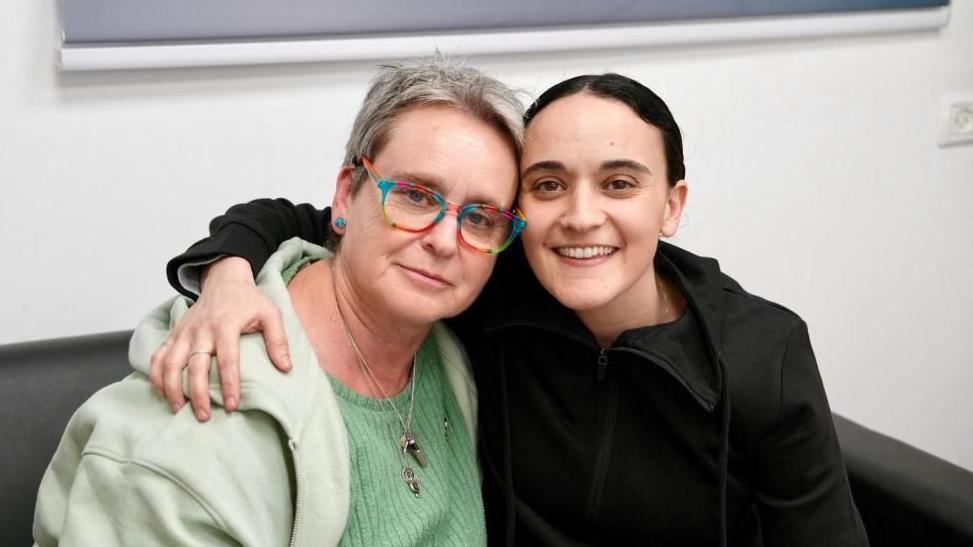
{"x":442,"y":239}
{"x":583,"y":213}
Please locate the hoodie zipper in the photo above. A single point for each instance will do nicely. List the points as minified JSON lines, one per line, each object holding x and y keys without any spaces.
{"x":602,"y":364}
{"x":607,"y":440}
{"x":292,"y":444}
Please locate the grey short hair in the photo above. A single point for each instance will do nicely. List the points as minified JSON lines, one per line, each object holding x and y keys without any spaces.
{"x":433,"y":81}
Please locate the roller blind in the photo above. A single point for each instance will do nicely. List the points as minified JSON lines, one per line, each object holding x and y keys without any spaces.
{"x":107,"y":21}
{"x":126,"y":23}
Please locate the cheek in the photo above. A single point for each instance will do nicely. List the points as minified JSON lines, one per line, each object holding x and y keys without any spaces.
{"x":478,"y":268}
{"x":367,"y":228}
{"x":541,"y":217}
{"x":639,"y":219}
{"x":476,"y":271}
{"x":533,"y":242}
{"x":371,"y":248}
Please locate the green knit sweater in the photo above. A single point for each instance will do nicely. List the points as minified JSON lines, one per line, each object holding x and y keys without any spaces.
{"x":384,"y":512}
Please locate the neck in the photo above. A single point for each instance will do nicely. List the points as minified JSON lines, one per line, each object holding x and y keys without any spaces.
{"x":650,"y":301}
{"x":328,"y":305}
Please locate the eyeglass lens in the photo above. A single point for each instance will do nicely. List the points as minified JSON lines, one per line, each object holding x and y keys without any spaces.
{"x":413,"y":208}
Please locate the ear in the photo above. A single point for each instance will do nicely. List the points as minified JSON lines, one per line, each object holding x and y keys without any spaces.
{"x":341,"y":204}
{"x":675,"y":203}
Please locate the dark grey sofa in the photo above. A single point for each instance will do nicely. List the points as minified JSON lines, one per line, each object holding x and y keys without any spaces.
{"x":906,"y":497}
{"x":41,"y":385}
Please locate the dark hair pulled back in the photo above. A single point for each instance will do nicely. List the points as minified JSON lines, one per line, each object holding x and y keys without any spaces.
{"x":640,"y":99}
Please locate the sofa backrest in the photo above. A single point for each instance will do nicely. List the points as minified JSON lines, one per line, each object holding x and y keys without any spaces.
{"x":41,"y":385}
{"x":906,"y":497}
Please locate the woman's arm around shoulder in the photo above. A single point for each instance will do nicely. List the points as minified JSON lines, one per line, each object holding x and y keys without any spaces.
{"x":240,"y":242}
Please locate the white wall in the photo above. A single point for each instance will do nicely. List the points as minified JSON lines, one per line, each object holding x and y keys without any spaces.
{"x":814,"y":168}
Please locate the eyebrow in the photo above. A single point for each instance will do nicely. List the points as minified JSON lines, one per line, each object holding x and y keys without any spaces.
{"x":436,"y":184}
{"x":547,"y":165}
{"x":626,"y":164}
{"x":551,"y":165}
{"x":429,"y":181}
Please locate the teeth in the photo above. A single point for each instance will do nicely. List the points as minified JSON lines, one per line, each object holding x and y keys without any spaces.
{"x":584,"y":252}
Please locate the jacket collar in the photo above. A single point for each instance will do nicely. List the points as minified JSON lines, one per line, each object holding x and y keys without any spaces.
{"x":687,"y":349}
{"x":702,"y":284}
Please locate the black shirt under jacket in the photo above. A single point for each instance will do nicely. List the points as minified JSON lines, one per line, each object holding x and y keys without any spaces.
{"x":710,"y":430}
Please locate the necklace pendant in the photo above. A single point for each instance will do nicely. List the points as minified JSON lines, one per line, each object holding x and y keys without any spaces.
{"x":408,"y":443}
{"x":411,"y":479}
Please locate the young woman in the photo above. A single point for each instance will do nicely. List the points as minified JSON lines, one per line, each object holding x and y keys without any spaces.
{"x":629,"y":391}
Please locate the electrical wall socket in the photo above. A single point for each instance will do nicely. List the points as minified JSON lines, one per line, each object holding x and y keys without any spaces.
{"x":956,"y":120}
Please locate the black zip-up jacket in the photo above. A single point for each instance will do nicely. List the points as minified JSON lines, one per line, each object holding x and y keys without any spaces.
{"x":710,"y":430}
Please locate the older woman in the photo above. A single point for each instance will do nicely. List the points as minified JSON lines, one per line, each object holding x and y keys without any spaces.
{"x":370,"y":438}
{"x":630,"y":392}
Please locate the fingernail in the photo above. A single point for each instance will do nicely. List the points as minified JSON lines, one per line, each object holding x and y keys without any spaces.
{"x":202,"y":415}
{"x":230,"y":402}
{"x":287,"y":362}
{"x":175,"y":408}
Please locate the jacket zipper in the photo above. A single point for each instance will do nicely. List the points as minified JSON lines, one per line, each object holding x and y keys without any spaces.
{"x":602,"y":364}
{"x":292,"y":444}
{"x":611,"y":412}
{"x":607,"y":440}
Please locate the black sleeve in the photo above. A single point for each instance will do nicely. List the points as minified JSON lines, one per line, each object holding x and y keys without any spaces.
{"x":252,"y":231}
{"x":801,"y":486}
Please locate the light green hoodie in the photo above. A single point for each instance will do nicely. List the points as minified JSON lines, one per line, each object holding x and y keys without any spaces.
{"x":129,"y":472}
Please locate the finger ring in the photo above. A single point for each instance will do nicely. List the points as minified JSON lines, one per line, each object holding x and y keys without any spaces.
{"x":197,"y":352}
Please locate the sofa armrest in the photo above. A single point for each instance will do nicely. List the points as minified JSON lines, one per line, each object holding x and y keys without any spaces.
{"x":906,"y":497}
{"x":42,"y":383}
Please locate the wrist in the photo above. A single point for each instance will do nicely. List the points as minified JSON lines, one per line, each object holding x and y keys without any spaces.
{"x":230,"y":269}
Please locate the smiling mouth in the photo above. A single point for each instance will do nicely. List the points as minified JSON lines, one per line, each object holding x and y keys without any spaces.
{"x":592,"y":251}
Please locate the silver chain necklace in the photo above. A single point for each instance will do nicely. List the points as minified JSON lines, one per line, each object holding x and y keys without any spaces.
{"x":407,"y":439}
{"x":665,"y":297}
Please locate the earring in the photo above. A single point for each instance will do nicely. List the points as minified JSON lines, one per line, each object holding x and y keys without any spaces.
{"x":340,"y":223}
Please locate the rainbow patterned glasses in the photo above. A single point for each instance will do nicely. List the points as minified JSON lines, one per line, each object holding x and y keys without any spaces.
{"x":414,"y":208}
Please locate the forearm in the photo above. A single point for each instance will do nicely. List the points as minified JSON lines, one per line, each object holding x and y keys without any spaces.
{"x":226,"y":269}
{"x":251,"y":231}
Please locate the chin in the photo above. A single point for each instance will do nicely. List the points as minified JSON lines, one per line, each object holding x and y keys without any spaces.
{"x":423,"y":309}
{"x":581,"y":298}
